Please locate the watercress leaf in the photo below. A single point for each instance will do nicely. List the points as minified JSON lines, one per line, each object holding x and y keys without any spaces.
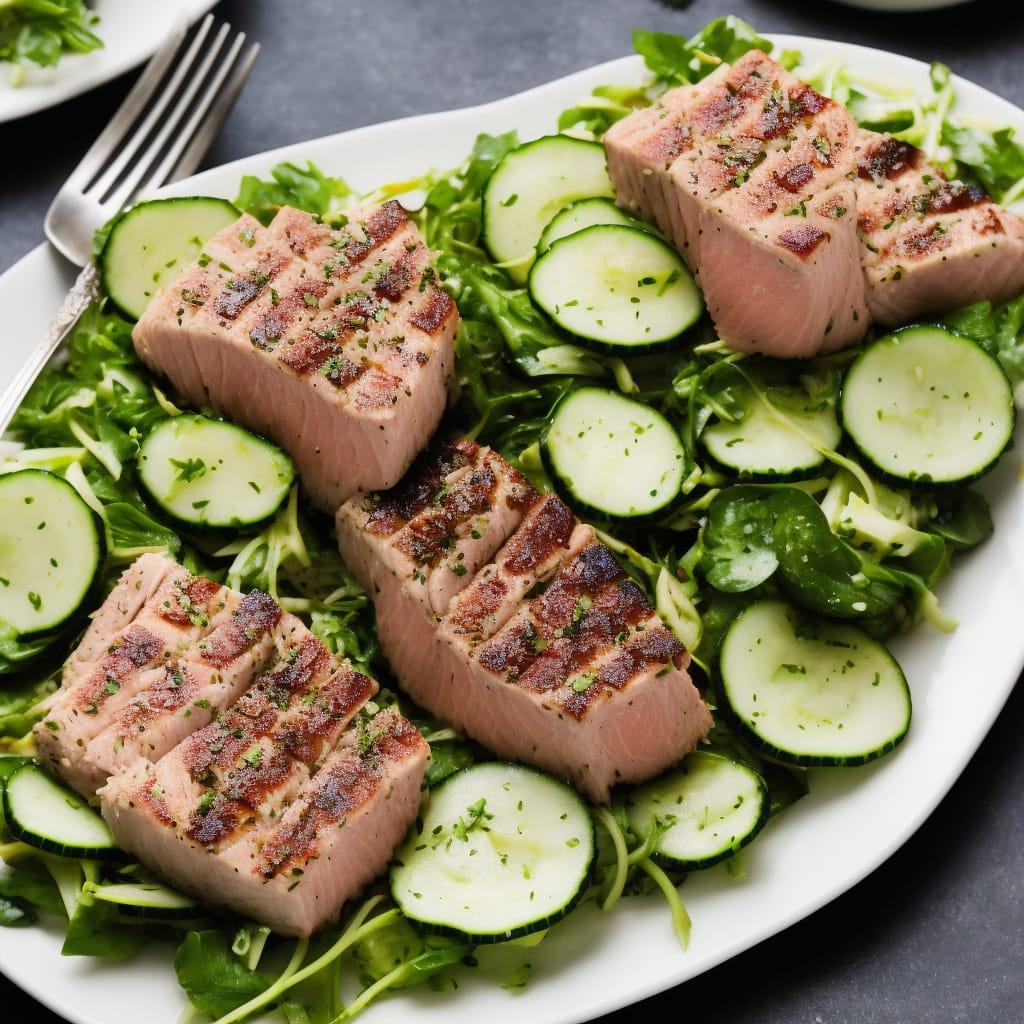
{"x":738,"y":540}
{"x":996,"y":158}
{"x":306,"y":188}
{"x":819,"y":570}
{"x":130,"y":532}
{"x":678,"y":61}
{"x":964,"y":518}
{"x":32,"y":885}
{"x":212,"y":976}
{"x":96,"y":929}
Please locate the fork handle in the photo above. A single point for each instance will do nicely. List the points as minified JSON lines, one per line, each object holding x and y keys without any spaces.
{"x":83,"y":291}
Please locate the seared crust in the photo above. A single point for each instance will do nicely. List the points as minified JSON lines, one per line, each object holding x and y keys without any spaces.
{"x":337,"y":343}
{"x":546,"y":652}
{"x":217,"y":732}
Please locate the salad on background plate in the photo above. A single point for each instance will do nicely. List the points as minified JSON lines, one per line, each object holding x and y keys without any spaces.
{"x":942,"y":561}
{"x":52,"y":52}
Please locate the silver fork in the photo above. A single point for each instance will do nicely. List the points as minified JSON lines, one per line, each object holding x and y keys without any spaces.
{"x":159,"y":134}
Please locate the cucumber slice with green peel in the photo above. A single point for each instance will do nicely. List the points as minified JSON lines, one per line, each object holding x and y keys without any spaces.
{"x":585,"y":213}
{"x":152,"y":242}
{"x":928,"y":406}
{"x":51,"y":550}
{"x":616,"y":289}
{"x":207,"y":472}
{"x":500,"y":851}
{"x":808,"y":691}
{"x":783,"y":434}
{"x":151,"y":900}
{"x":701,"y":812}
{"x":46,"y":814}
{"x":529,"y":185}
{"x":612,"y":456}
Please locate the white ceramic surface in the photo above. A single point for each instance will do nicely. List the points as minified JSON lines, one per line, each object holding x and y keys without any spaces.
{"x":901,"y":6}
{"x":131,"y":30}
{"x":851,"y":822}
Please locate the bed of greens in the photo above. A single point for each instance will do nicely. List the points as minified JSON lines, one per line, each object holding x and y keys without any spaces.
{"x":840,"y":540}
{"x":41,"y":32}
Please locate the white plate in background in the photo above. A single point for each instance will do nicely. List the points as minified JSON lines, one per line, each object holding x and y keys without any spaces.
{"x":852,"y":821}
{"x":131,"y":30}
{"x":901,"y":6}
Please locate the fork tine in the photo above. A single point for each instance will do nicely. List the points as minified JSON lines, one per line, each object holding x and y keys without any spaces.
{"x":129,"y":110}
{"x":167,"y":129}
{"x":201,"y":130}
{"x":138,"y":131}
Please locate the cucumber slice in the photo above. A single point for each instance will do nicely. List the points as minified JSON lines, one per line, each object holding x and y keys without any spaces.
{"x":44,"y":813}
{"x":150,"y":900}
{"x":807,"y":691}
{"x":783,"y":434}
{"x":51,"y":550}
{"x":616,"y":289}
{"x":585,"y":213}
{"x":207,"y":472}
{"x":529,"y":185}
{"x":928,"y":406}
{"x":612,"y":456}
{"x":704,"y":810}
{"x":150,"y":243}
{"x":500,"y":851}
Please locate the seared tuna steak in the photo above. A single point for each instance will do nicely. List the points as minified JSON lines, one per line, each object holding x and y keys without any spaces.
{"x":749,"y":174}
{"x":230,"y":750}
{"x":334,"y":342}
{"x":543,"y":649}
{"x":929,"y":244}
{"x":801,"y":228}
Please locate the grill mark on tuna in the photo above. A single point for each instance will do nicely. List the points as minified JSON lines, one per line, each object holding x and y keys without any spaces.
{"x":152,"y":804}
{"x":539,"y":537}
{"x":575,"y":645}
{"x":256,"y":775}
{"x":297,"y":670}
{"x":190,"y":600}
{"x":429,"y":534}
{"x":336,"y":700}
{"x":483,"y":598}
{"x":257,"y":614}
{"x":286,"y":312}
{"x":384,"y":222}
{"x":174,"y":689}
{"x":888,"y":158}
{"x":396,"y":280}
{"x":782,"y":113}
{"x":315,"y":353}
{"x":802,"y":241}
{"x":544,"y":535}
{"x":136,"y":649}
{"x":646,"y":649}
{"x":795,"y":179}
{"x":667,"y":143}
{"x":584,"y":608}
{"x":951,"y":197}
{"x":586,"y":575}
{"x":217,"y":823}
{"x":342,"y":786}
{"x":388,"y":513}
{"x":434,"y":313}
{"x":246,"y":287}
{"x":742,"y":90}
